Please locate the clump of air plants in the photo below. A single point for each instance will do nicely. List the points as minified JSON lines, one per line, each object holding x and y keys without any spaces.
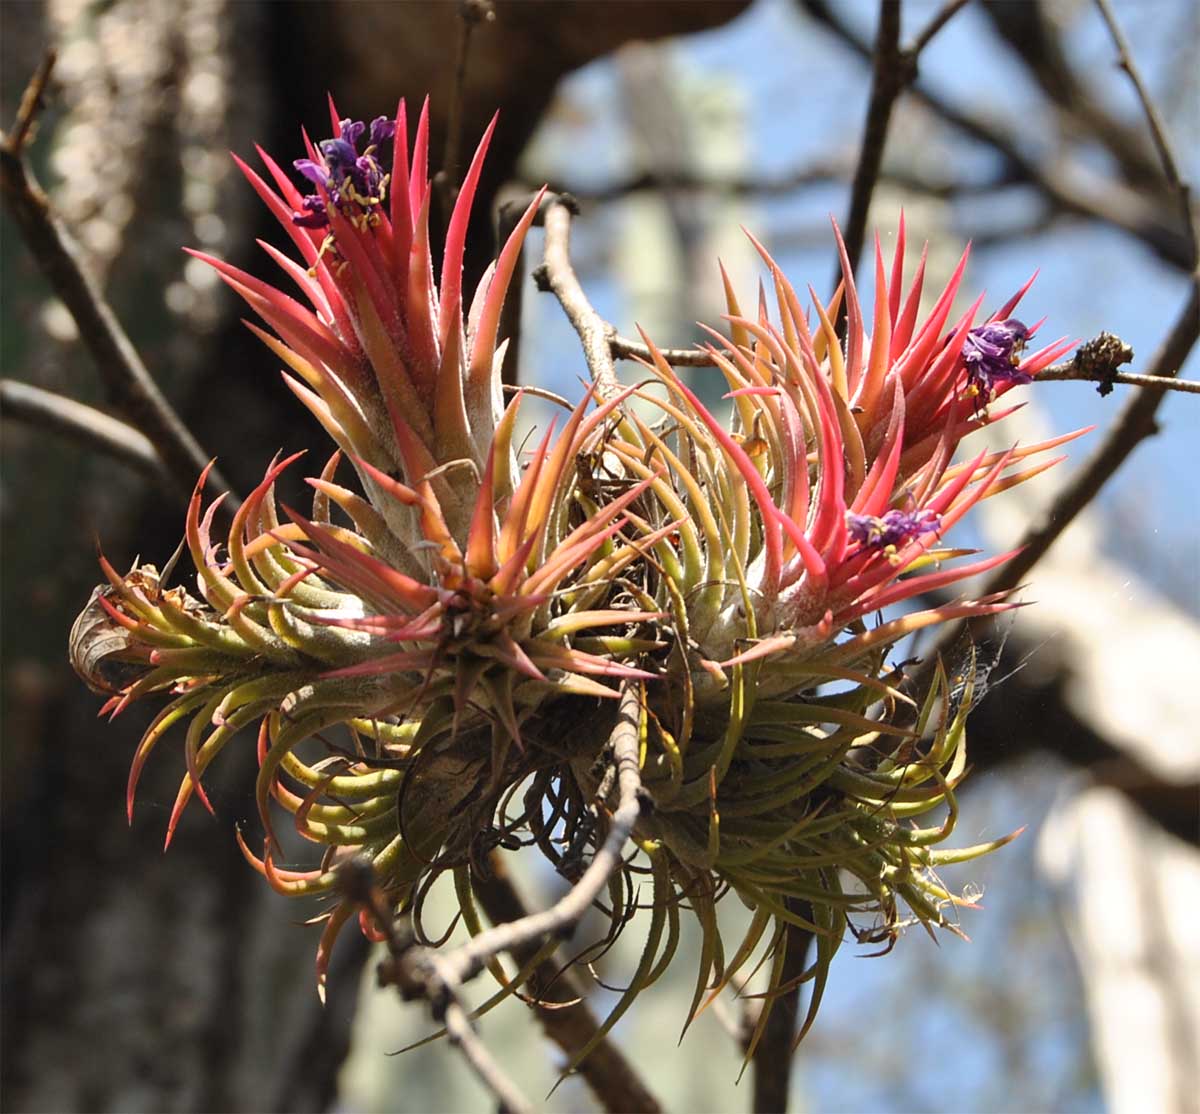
{"x":450,"y":622}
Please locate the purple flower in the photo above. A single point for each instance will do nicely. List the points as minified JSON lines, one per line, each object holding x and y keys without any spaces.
{"x":382,"y":129}
{"x":991,"y":354}
{"x":313,"y":214}
{"x":892,"y":530}
{"x":340,"y":157}
{"x":314,"y":171}
{"x":354,"y":183}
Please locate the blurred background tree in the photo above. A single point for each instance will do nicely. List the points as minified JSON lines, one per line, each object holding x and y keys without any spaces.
{"x":138,"y":982}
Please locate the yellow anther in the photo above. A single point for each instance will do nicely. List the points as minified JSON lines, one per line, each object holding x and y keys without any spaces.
{"x":328,"y":244}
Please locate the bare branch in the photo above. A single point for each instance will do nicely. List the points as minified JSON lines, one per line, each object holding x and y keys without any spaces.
{"x":128,"y":384}
{"x":31,"y":103}
{"x":565,"y":1017}
{"x":463,"y":1036}
{"x":1111,"y":202}
{"x":894,"y":69}
{"x":86,"y":425}
{"x":419,"y":972}
{"x":778,"y":185}
{"x":470,"y":14}
{"x":468,"y":960}
{"x":584,"y":317}
{"x":1133,"y":425}
{"x":558,"y":276}
{"x":625,"y":349}
{"x":1158,"y":129}
{"x":1097,"y":360}
{"x":1034,"y":33}
{"x":1069,"y":372}
{"x":817,"y":174}
{"x":940,"y":18}
{"x":601,"y":344}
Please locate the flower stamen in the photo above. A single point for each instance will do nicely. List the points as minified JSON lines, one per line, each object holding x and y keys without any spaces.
{"x":889,"y":532}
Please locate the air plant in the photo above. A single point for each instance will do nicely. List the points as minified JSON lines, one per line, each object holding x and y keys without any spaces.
{"x":428,"y":655}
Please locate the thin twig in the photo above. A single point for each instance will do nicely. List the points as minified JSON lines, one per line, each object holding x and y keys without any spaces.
{"x":423,"y":973}
{"x":777,"y":185}
{"x":86,"y":425}
{"x":600,"y":341}
{"x":943,"y":16}
{"x":1068,"y":372}
{"x":1158,"y":130}
{"x":625,"y":349}
{"x":31,"y":103}
{"x":558,"y":276}
{"x":419,"y":972}
{"x":462,"y":1035}
{"x":559,"y":1006}
{"x":1133,"y":425}
{"x":560,"y":919}
{"x":128,"y":384}
{"x":894,"y":69}
{"x":1036,"y":35}
{"x":1060,"y":183}
{"x":470,"y":14}
{"x":1097,"y":361}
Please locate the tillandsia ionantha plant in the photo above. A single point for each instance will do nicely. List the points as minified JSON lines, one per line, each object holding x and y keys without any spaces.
{"x":429,"y":654}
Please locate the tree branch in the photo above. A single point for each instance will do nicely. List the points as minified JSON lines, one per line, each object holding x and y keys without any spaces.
{"x":469,"y":959}
{"x":419,"y":972}
{"x":128,"y":384}
{"x":1133,"y":425}
{"x":462,"y":1035}
{"x":31,"y":103}
{"x":940,"y":18}
{"x":1097,"y":360}
{"x":1114,"y":204}
{"x":1034,"y":34}
{"x":567,"y":1020}
{"x":894,"y":69}
{"x":557,"y":276}
{"x":470,"y":14}
{"x":86,"y":425}
{"x":1069,"y":372}
{"x":774,"y":1056}
{"x":625,"y":349}
{"x":583,"y":316}
{"x":1158,"y":130}
{"x":782,"y":184}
